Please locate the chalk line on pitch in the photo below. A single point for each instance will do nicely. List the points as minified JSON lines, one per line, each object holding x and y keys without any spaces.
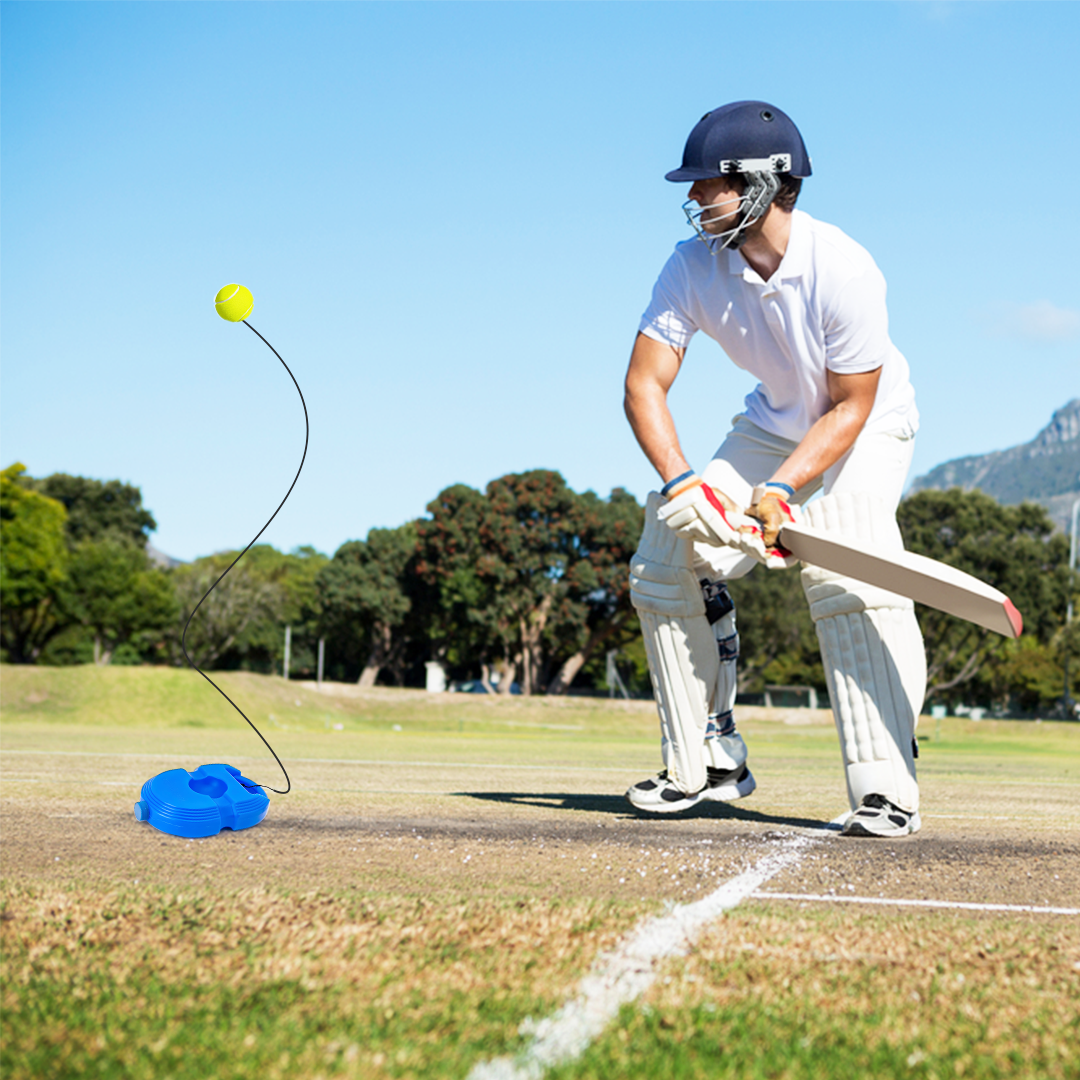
{"x":622,"y":976}
{"x":953,"y":905}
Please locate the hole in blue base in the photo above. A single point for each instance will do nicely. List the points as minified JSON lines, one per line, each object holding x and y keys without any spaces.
{"x":208,"y":785}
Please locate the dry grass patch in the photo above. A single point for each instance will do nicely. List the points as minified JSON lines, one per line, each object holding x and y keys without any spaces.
{"x":791,"y":994}
{"x":127,"y":984}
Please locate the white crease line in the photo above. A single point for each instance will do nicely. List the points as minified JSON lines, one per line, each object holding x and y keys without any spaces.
{"x":623,"y":975}
{"x":989,"y":817}
{"x":957,"y":905}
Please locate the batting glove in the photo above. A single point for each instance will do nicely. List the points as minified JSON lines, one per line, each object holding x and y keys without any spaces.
{"x":700,"y":513}
{"x":771,"y":508}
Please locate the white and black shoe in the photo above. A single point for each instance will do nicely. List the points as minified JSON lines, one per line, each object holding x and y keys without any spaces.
{"x":877,"y":816}
{"x":658,"y":795}
{"x":727,"y":785}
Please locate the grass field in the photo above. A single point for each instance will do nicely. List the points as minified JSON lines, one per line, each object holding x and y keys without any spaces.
{"x":453,"y":873}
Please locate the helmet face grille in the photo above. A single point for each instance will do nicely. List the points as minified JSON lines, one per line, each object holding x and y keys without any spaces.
{"x":761,"y":189}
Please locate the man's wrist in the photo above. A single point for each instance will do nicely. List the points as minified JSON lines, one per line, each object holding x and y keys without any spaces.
{"x":776,"y":488}
{"x":678,"y":484}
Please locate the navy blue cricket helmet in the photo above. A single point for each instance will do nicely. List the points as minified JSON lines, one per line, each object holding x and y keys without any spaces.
{"x":743,"y":137}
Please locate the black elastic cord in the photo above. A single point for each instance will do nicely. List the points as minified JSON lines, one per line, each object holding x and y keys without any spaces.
{"x":183,"y":637}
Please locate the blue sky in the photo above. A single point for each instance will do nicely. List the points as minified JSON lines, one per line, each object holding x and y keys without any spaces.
{"x":451,"y":216}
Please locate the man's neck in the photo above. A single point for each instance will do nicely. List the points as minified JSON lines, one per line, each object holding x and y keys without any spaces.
{"x":766,"y":243}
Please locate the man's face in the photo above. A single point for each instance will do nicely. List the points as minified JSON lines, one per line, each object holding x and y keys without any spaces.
{"x":722,"y":195}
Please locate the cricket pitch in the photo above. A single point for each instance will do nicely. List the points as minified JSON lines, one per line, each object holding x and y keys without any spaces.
{"x":445,"y":873}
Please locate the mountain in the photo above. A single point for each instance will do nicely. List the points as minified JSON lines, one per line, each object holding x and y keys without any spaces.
{"x":1045,"y":470}
{"x":160,"y":559}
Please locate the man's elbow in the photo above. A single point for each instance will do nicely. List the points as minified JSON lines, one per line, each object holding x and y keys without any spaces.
{"x":638,"y":393}
{"x":631,"y":389}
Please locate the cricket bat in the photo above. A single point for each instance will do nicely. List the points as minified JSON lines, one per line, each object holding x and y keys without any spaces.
{"x":924,"y":580}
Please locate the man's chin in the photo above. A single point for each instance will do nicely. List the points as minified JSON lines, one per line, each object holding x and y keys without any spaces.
{"x":718,"y":226}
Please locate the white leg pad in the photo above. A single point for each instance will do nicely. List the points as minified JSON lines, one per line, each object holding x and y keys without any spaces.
{"x":680,"y":645}
{"x":873,"y":655}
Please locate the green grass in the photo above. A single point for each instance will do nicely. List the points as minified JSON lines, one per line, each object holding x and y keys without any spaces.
{"x":821,"y":996}
{"x":155,"y":698}
{"x":145,"y":986}
{"x":116,"y":982}
{"x":137,"y":986}
{"x":800,"y":1042}
{"x":143,"y":710}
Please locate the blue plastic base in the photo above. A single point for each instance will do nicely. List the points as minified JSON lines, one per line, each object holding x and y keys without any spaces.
{"x":201,"y":803}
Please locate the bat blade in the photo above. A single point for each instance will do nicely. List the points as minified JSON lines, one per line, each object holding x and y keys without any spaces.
{"x":924,"y":580}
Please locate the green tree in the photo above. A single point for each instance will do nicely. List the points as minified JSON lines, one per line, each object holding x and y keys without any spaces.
{"x":118,"y":597}
{"x":457,"y":592}
{"x":777,"y":640}
{"x":33,"y":566}
{"x":1067,"y":654}
{"x":241,"y":624}
{"x":1025,"y":674}
{"x":292,"y":576}
{"x":594,"y":613}
{"x":528,"y":579}
{"x":99,"y":508}
{"x":503,"y":558}
{"x":112,"y":603}
{"x":365,"y":600}
{"x":240,"y":606}
{"x":81,"y":543}
{"x":1013,"y":548}
{"x":531,"y":542}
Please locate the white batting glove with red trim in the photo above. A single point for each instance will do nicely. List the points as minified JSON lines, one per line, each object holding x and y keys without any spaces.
{"x":700,"y":513}
{"x":704,"y":514}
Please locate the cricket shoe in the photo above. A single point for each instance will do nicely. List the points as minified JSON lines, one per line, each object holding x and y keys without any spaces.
{"x":727,"y":785}
{"x":658,"y":795}
{"x":877,"y":816}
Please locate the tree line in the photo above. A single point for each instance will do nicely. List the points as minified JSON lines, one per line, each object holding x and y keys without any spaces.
{"x":520,"y":586}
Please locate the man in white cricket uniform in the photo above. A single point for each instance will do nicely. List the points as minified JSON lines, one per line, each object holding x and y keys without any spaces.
{"x":801,"y":306}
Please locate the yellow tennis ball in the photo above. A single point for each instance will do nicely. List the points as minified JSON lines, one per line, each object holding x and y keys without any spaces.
{"x":234,"y":303}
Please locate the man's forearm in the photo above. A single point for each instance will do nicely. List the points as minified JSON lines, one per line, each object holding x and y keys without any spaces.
{"x":653,"y":368}
{"x":654,"y":428}
{"x":823,"y":446}
{"x":835,"y":433}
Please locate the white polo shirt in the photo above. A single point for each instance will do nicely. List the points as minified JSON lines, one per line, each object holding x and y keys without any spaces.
{"x":823,"y":309}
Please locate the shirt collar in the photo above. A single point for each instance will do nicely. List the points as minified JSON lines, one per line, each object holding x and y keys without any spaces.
{"x":792,"y":265}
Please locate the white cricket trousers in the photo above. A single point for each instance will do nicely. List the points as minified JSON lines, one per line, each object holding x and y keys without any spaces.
{"x":878,"y":464}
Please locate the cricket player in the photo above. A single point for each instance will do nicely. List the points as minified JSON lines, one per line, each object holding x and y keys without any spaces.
{"x":801,"y":306}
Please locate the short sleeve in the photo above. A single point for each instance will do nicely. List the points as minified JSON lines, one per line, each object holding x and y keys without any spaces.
{"x":857,"y":326}
{"x":667,"y":317}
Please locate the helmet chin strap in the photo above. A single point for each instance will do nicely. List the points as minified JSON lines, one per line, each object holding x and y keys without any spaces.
{"x":761,"y":189}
